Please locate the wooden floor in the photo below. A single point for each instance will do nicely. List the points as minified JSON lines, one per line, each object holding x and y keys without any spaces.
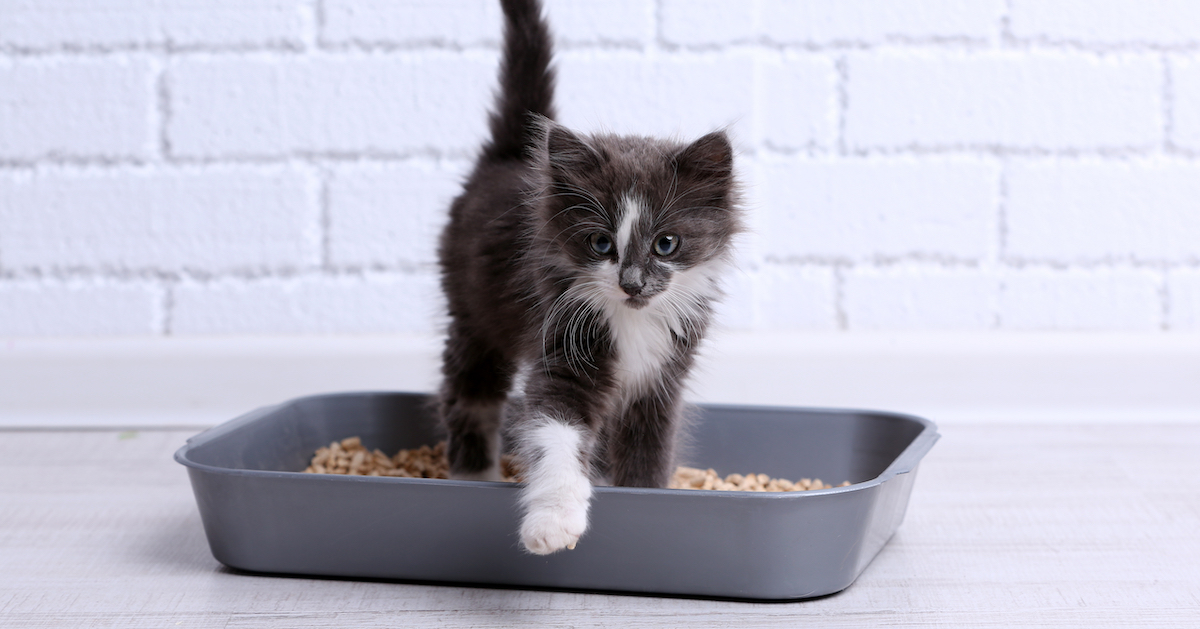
{"x":1009,"y":526}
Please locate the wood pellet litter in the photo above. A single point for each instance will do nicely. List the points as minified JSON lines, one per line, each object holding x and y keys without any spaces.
{"x":693,"y":478}
{"x":349,"y":456}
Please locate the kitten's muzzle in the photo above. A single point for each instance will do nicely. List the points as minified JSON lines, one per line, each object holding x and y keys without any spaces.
{"x":637,"y":303}
{"x":632,"y":281}
{"x":633,"y":290}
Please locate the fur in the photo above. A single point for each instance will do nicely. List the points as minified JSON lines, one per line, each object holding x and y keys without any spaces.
{"x":592,"y":261}
{"x":558,"y":485}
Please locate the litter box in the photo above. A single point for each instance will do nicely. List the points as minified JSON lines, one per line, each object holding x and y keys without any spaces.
{"x":262,"y":514}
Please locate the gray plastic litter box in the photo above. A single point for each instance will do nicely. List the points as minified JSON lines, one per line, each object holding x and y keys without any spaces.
{"x":262,"y":514}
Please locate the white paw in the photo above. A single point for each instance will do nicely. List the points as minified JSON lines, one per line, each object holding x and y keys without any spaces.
{"x":557,"y":490}
{"x":544,"y":531}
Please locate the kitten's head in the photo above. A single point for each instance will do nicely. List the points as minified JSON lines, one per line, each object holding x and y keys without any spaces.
{"x":635,"y":221}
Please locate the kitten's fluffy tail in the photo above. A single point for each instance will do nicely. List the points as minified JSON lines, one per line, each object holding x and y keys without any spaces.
{"x":526,"y":81}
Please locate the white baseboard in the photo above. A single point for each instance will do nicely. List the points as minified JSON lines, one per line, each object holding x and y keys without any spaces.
{"x":948,"y":377}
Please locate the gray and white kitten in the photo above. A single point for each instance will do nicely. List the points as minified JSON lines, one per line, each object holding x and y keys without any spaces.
{"x":593,"y":261}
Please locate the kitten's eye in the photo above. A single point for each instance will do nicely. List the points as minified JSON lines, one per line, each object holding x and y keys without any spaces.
{"x":601,"y":243}
{"x":666,"y":244}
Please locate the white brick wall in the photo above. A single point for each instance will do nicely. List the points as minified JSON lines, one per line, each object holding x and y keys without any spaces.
{"x":920,"y":297}
{"x":708,"y":22}
{"x":626,"y":23}
{"x":413,"y":23}
{"x":1079,"y":210}
{"x":855,"y":23}
{"x":215,"y":220}
{"x":116,"y":24}
{"x":796,"y":104}
{"x":827,"y":22}
{"x":1018,"y":100}
{"x":266,"y":106}
{"x":1184,"y":289}
{"x":79,"y":308}
{"x":885,"y":207}
{"x":322,"y":305}
{"x":283,"y":166}
{"x":796,"y":298}
{"x":1081,"y":299}
{"x":596,"y":84}
{"x":1185,"y":116}
{"x":77,"y":108}
{"x":1158,"y":23}
{"x":390,"y":215}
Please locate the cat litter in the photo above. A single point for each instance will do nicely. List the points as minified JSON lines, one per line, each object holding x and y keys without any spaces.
{"x":261,"y":513}
{"x":349,"y":456}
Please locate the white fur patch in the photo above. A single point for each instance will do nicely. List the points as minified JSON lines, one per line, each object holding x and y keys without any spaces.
{"x":557,"y":488}
{"x":643,"y":343}
{"x":643,"y":337}
{"x":632,"y":213}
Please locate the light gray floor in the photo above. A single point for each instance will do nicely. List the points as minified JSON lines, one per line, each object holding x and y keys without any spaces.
{"x":1009,"y":526}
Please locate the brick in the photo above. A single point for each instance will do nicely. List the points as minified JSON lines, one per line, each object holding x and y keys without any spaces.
{"x":344,"y":104}
{"x":738,"y":307}
{"x":1183,"y":290}
{"x":309,"y":305}
{"x":460,"y":22}
{"x":390,"y":215}
{"x":476,"y":22}
{"x":628,"y":93}
{"x":1163,"y":22}
{"x":893,"y":207}
{"x":1071,"y":210}
{"x":871,"y":21}
{"x":209,"y":220}
{"x":626,"y":22}
{"x":920,"y":297}
{"x":796,"y":298}
{"x":44,"y":24}
{"x":77,"y":108}
{"x":796,"y":102}
{"x":77,"y":308}
{"x":823,"y":22}
{"x":1185,"y":106}
{"x":1080,"y":299}
{"x":708,"y":22}
{"x":1050,"y":101}
{"x":749,"y":173}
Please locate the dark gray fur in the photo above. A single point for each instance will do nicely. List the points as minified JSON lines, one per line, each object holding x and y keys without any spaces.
{"x":517,"y":240}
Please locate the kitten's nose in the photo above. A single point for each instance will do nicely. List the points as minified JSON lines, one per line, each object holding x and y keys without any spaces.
{"x":631,"y":281}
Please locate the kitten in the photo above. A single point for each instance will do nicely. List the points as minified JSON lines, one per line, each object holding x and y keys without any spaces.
{"x":593,"y":260}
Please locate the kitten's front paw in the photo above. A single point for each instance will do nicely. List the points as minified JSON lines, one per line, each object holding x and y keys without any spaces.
{"x":545,"y":531}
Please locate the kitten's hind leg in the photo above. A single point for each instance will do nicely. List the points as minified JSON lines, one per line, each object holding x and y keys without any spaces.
{"x":473,"y":393}
{"x":473,"y":441}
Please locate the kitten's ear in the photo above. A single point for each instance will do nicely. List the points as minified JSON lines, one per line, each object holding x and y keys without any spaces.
{"x":710,"y":157}
{"x":568,"y":152}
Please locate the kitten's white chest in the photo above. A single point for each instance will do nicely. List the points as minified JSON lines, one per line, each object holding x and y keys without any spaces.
{"x":643,"y":342}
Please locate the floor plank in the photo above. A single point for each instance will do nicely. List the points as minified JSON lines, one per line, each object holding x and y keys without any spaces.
{"x":1026,"y":525}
